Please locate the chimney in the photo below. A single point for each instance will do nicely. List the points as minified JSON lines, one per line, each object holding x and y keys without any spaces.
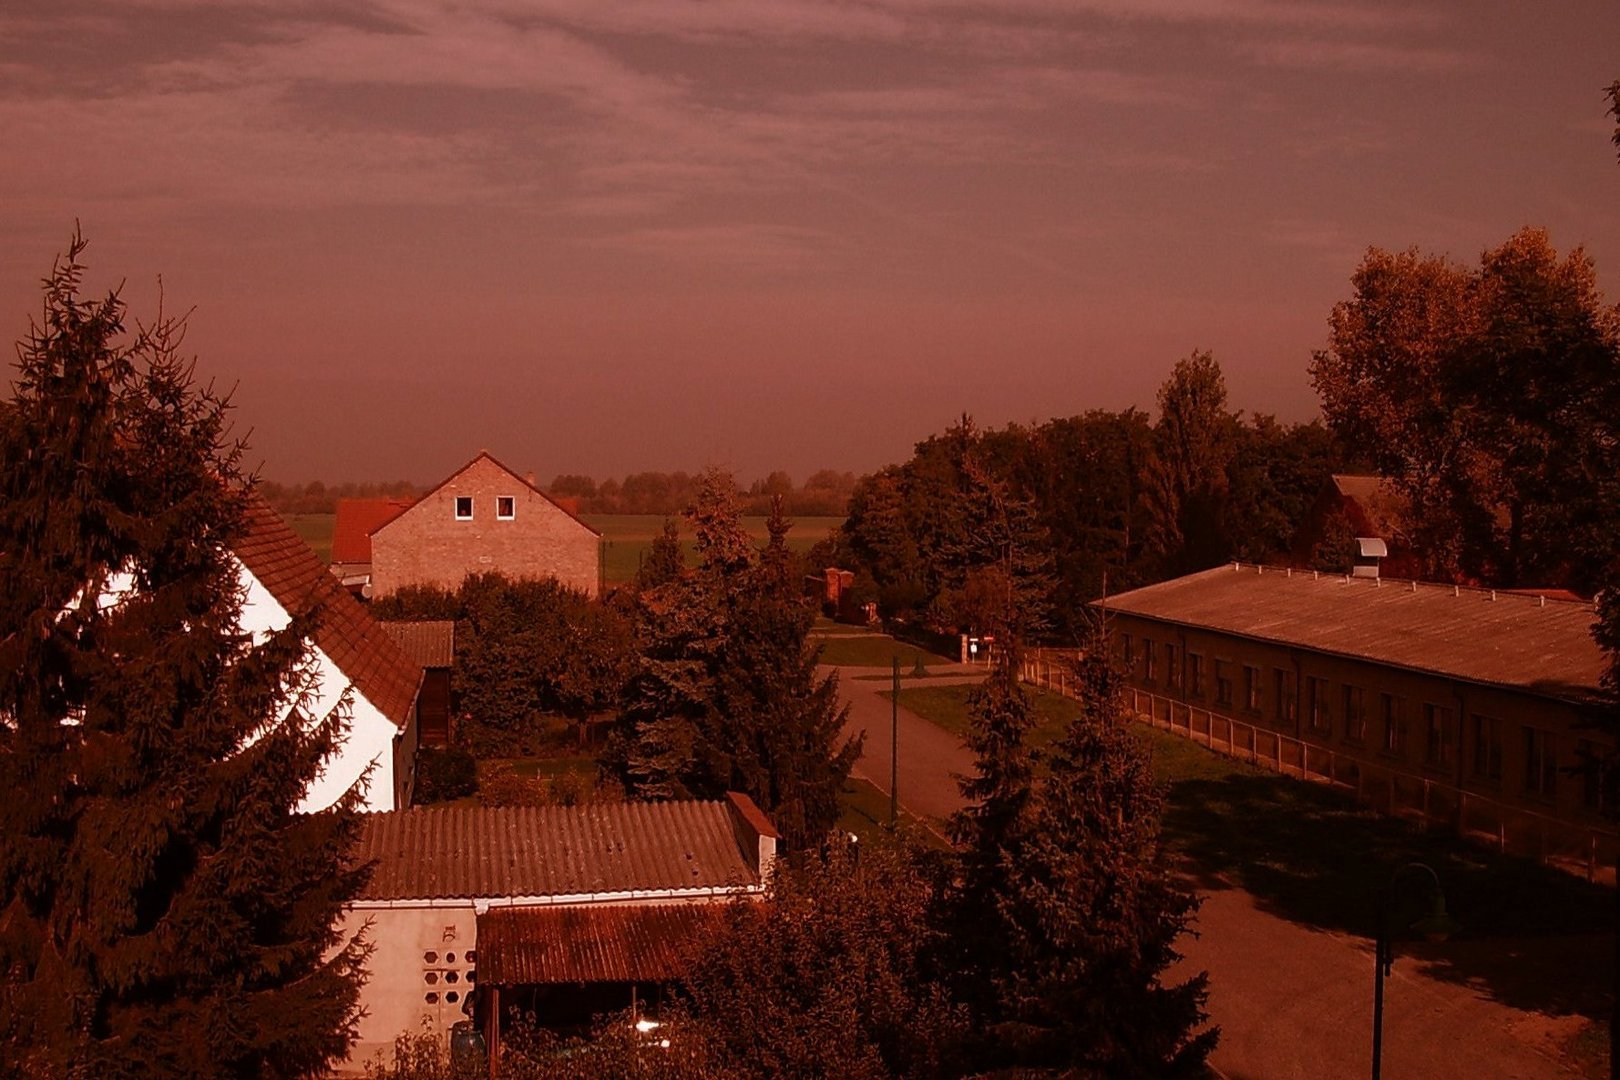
{"x":528,"y":478}
{"x":755,"y":834}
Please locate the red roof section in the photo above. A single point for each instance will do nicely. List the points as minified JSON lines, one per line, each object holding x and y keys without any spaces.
{"x":356,"y":518}
{"x":357,"y":643}
{"x":530,"y":946}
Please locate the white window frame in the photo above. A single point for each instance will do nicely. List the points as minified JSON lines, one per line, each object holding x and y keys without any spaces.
{"x":456,"y":508}
{"x":512,"y":501}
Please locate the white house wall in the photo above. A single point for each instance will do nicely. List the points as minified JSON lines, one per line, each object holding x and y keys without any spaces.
{"x":370,"y":742}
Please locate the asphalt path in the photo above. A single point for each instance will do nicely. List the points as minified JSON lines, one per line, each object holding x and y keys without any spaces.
{"x":1291,"y":1001}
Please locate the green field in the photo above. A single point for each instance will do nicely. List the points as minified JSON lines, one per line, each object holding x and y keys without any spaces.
{"x":316,"y":531}
{"x":625,"y":537}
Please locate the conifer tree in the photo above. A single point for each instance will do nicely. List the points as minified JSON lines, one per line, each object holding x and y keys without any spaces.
{"x":664,"y":560}
{"x":163,"y":910}
{"x":1094,"y":911}
{"x":726,"y":695}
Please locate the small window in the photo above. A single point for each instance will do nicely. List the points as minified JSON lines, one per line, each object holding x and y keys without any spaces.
{"x":1195,"y":674}
{"x":1439,"y":737}
{"x":1316,"y":704}
{"x":1390,"y":709}
{"x":463,"y":507}
{"x":1355,"y":716}
{"x":1251,"y":688}
{"x":1283,"y":686}
{"x":1171,"y":674}
{"x":452,"y":997}
{"x":430,"y":977}
{"x":1540,"y":764}
{"x":431,"y":998}
{"x":1147,"y":661}
{"x":449,"y":957}
{"x":1223,"y":683}
{"x":451,"y":976}
{"x":430,"y":957}
{"x":472,"y":956}
{"x":505,"y":507}
{"x":1487,"y":747}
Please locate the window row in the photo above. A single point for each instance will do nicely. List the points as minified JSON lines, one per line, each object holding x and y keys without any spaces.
{"x":505,"y":507}
{"x":1360,"y":717}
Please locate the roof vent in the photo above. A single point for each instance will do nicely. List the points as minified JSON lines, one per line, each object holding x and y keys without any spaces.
{"x":1369,"y":549}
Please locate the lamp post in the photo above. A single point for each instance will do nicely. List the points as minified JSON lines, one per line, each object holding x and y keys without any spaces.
{"x":1435,"y":926}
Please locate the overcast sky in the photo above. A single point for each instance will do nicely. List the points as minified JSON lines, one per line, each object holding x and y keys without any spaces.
{"x":608,"y":235}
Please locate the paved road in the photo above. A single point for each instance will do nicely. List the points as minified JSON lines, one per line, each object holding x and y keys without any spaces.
{"x":1291,"y":1001}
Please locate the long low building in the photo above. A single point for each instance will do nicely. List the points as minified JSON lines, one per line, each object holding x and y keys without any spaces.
{"x":1465,"y":704}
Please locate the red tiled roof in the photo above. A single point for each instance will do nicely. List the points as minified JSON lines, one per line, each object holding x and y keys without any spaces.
{"x":356,"y":518}
{"x":466,"y":851}
{"x":1542,"y":646}
{"x":430,"y":643}
{"x":357,"y":643}
{"x":476,"y":458}
{"x":531,"y":946}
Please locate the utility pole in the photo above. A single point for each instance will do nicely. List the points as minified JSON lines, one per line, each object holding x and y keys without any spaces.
{"x":894,"y":749}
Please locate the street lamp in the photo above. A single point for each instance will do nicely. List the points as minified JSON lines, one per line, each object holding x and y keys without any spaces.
{"x":1435,"y":926}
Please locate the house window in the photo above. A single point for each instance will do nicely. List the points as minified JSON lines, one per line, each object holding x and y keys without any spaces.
{"x":463,"y":507}
{"x":1284,"y":693}
{"x":1251,"y":688}
{"x":1540,"y":763}
{"x":1130,"y":655}
{"x":1437,"y":735}
{"x":1591,"y":762}
{"x":1195,"y":674}
{"x":1389,"y":709}
{"x":1223,"y":683}
{"x":1147,"y":661}
{"x":1170,"y":671}
{"x":1316,"y":706}
{"x":505,"y":507}
{"x":1487,"y":747}
{"x":1355,"y":716}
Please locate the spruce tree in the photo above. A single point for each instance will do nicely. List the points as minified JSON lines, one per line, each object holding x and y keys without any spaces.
{"x":664,"y":561}
{"x":1094,"y":911}
{"x":726,"y":695}
{"x":163,"y":910}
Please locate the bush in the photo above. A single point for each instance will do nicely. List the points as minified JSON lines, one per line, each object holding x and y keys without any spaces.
{"x":503,"y":786}
{"x":442,"y":775}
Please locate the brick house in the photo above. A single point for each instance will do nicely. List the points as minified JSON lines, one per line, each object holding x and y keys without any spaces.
{"x":484,"y":517}
{"x":557,"y":912}
{"x":1464,"y":706}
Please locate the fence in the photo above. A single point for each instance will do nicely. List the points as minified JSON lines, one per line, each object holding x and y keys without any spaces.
{"x":1571,"y":846}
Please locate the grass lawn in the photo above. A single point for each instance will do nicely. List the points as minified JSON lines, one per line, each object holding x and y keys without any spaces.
{"x":316,"y":531}
{"x":864,"y":811}
{"x":877,"y":652}
{"x":825,"y":627}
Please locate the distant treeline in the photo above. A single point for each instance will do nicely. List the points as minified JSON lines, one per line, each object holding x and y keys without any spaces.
{"x":1101,"y":500}
{"x":824,"y":494}
{"x":318,"y":498}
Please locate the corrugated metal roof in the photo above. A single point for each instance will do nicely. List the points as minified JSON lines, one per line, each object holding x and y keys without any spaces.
{"x":470,"y":851}
{"x":356,"y":642}
{"x":1540,"y":645}
{"x":430,"y":643}
{"x":530,"y":946}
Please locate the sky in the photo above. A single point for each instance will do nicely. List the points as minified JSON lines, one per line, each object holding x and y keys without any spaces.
{"x":602,"y":236}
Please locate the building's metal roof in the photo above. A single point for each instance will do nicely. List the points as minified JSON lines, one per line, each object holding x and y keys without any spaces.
{"x":470,"y":852}
{"x":1533,"y":643}
{"x":531,"y":946}
{"x":346,"y":632}
{"x":430,"y":643}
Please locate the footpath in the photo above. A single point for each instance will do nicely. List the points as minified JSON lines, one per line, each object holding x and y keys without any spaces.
{"x":1291,"y":1001}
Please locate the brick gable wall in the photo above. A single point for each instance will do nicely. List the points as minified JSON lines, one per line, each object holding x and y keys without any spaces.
{"x":426,"y":545}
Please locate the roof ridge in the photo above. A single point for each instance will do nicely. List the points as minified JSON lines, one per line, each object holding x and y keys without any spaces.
{"x":1540,"y":599}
